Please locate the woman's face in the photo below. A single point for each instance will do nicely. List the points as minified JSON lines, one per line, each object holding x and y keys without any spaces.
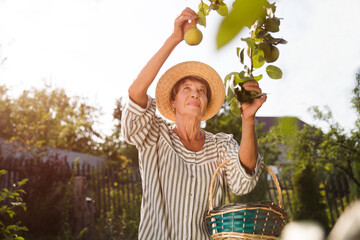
{"x":191,"y":99}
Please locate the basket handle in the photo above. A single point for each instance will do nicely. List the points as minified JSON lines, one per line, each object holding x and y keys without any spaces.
{"x":211,"y":206}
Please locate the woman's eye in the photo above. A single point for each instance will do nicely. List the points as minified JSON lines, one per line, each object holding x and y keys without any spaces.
{"x":202,"y":91}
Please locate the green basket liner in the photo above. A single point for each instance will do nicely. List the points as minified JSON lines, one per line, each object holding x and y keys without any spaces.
{"x":255,"y":220}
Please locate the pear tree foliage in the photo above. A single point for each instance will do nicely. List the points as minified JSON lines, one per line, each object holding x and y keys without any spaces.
{"x":260,"y":46}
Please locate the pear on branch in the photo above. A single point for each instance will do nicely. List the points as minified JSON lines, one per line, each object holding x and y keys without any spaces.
{"x":193,"y":36}
{"x":274,"y":55}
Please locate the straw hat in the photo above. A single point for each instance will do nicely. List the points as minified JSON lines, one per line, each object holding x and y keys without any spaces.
{"x":184,"y":69}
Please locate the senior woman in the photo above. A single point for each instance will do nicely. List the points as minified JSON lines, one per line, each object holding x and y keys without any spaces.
{"x":177,"y":162}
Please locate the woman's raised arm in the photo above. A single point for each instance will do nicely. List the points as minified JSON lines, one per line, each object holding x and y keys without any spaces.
{"x":138,"y":89}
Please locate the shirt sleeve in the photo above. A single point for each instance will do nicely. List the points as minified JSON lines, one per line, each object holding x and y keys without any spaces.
{"x":140,"y":126}
{"x":239,"y":181}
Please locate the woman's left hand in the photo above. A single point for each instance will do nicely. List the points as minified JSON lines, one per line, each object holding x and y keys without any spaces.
{"x":249,"y":109}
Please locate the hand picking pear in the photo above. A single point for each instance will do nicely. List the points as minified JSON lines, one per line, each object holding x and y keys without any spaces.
{"x":193,"y":35}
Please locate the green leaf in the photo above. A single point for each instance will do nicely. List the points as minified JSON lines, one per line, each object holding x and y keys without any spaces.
{"x":223,"y":10}
{"x":11,"y":213}
{"x":249,"y":41}
{"x":3,"y":172}
{"x":22,"y":182}
{"x":282,"y":41}
{"x":272,"y":24}
{"x":271,"y":40}
{"x":256,"y":95}
{"x":244,"y":13}
{"x":203,"y":7}
{"x":229,"y":76}
{"x":258,"y":78}
{"x":229,"y":84}
{"x":270,"y":9}
{"x":11,"y":227}
{"x":235,"y":107}
{"x":242,"y":56}
{"x":260,"y":33}
{"x":202,"y":19}
{"x":241,"y":78}
{"x":257,"y":24}
{"x":82,"y":232}
{"x":238,"y":51}
{"x":242,"y":95}
{"x":22,"y":191}
{"x":274,"y":72}
{"x":258,"y":58}
{"x":247,"y":70}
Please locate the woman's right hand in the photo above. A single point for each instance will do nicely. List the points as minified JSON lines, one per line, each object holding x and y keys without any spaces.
{"x":182,"y":23}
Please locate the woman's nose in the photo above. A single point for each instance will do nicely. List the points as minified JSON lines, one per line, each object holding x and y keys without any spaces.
{"x":195,"y":95}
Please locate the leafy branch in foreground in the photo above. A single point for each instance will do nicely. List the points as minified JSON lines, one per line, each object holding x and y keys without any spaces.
{"x":260,"y":48}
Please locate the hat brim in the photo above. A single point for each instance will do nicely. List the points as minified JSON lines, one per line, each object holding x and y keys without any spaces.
{"x":184,"y":69}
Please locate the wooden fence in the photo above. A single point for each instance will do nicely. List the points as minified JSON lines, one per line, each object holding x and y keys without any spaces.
{"x":334,"y":189}
{"x":109,"y":192}
{"x":117,"y":192}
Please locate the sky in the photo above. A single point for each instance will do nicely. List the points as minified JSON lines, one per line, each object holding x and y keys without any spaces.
{"x":96,"y":48}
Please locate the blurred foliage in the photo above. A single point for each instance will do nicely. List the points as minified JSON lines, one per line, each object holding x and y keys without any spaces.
{"x":41,"y":118}
{"x":225,"y":122}
{"x":10,"y":201}
{"x":308,"y":203}
{"x":243,"y":14}
{"x":124,"y":226}
{"x":118,"y":152}
{"x":119,"y":214}
{"x":46,"y":200}
{"x":315,"y":154}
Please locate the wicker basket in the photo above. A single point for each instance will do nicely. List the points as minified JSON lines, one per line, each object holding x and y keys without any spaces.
{"x":256,"y":220}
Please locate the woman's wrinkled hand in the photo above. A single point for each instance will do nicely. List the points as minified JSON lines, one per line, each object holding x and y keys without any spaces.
{"x":183,"y":22}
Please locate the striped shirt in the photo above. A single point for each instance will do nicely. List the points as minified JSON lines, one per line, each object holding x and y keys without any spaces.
{"x":175,"y":180}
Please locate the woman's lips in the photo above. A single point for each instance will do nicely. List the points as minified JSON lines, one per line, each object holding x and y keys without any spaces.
{"x":194,"y":104}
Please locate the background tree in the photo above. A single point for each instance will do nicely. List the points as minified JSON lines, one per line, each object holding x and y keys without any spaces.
{"x":6,"y":130}
{"x":340,"y":151}
{"x":315,"y":154}
{"x":226,"y":122}
{"x":118,"y":152}
{"x":41,"y":118}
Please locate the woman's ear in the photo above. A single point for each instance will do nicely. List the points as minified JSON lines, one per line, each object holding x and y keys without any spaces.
{"x":172,"y":104}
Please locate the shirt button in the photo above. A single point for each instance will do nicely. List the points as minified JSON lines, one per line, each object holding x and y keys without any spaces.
{"x":190,"y":194}
{"x":192,"y":176}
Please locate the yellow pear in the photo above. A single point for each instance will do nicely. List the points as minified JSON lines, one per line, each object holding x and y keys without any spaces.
{"x":193,"y":35}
